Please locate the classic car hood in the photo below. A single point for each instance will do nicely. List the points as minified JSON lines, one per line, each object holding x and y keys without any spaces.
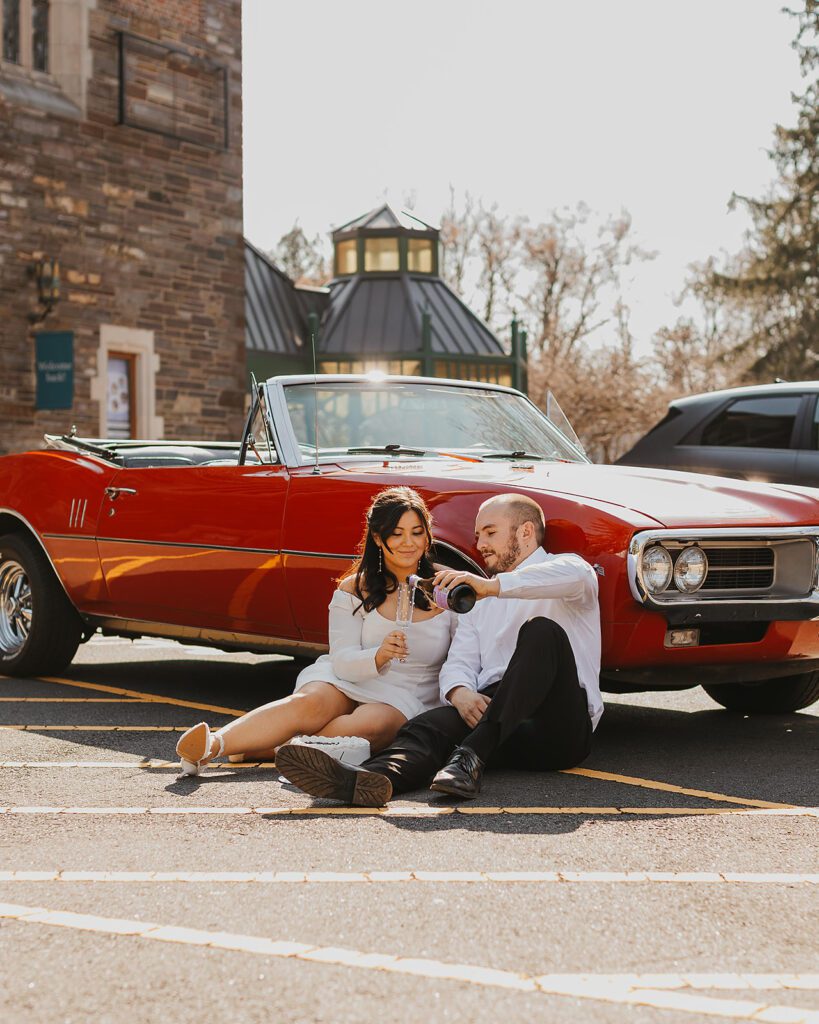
{"x":670,"y":498}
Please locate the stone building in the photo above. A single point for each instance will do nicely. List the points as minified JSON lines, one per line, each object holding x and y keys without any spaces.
{"x":121,"y":251}
{"x":386,"y":308}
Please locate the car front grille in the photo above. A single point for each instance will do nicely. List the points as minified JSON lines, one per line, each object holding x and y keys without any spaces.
{"x":745,"y":565}
{"x":734,"y":568}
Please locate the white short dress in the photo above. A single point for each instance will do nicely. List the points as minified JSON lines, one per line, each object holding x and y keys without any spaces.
{"x":355,"y":636}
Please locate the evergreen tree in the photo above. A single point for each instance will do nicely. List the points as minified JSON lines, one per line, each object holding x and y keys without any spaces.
{"x":776,"y":277}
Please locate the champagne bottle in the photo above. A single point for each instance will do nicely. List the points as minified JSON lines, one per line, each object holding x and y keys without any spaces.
{"x":459,"y":599}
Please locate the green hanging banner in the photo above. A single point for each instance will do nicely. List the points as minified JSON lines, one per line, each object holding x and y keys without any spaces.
{"x":54,"y":353}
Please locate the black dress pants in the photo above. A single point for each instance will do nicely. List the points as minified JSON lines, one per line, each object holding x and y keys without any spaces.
{"x":537,"y":719}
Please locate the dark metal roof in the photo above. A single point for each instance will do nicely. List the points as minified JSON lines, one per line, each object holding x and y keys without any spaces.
{"x":455,"y":328}
{"x":361,"y":315}
{"x":368,"y":314}
{"x":275,"y":320}
{"x":313,"y":300}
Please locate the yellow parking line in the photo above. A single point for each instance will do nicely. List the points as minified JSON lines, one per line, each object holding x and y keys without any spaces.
{"x":412,"y":811}
{"x":95,"y":728}
{"x":654,"y":990}
{"x":72,"y":700}
{"x":271,"y":766}
{"x":446,"y":877}
{"x":155,"y":698}
{"x":628,"y":780}
{"x":149,"y":763}
{"x":666,"y":787}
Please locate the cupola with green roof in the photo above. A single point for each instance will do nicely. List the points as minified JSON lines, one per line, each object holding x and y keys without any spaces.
{"x":381,"y":242}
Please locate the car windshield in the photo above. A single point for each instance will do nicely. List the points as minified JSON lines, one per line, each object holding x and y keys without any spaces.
{"x":394,"y":416}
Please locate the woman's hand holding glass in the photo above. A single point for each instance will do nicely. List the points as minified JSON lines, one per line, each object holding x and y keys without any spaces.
{"x":393,"y":646}
{"x":403,"y":611}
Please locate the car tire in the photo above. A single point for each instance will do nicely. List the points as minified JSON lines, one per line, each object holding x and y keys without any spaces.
{"x":771,"y":697}
{"x":40,"y":630}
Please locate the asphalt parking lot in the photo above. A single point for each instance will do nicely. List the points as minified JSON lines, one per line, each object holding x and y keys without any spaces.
{"x":673,"y":877}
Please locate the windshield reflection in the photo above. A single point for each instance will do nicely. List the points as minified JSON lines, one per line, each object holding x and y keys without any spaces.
{"x":469,"y":420}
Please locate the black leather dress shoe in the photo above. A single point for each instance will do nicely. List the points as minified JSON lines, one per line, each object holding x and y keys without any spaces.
{"x":461,"y":775}
{"x":319,"y":774}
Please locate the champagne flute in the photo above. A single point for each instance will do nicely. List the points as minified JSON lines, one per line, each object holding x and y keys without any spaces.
{"x":403,"y":610}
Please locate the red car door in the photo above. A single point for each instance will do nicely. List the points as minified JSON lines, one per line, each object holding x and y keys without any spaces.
{"x":197,"y":546}
{"x":325,"y":520}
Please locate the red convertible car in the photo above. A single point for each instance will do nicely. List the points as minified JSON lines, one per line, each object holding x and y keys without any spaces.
{"x":703,"y":581}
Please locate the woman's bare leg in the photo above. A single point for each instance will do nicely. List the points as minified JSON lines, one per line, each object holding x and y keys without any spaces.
{"x":377,"y":723}
{"x":264,"y":728}
{"x":259,"y":755}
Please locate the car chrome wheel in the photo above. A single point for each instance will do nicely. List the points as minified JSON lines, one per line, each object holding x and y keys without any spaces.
{"x":15,"y":607}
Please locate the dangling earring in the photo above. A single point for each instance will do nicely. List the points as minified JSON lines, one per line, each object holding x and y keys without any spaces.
{"x":380,"y":561}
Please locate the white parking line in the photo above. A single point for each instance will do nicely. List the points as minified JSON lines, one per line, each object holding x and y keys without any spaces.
{"x":346,"y":877}
{"x":417,"y":811}
{"x":654,"y":990}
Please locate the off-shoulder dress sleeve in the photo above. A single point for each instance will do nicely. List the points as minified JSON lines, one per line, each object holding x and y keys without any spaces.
{"x":349,"y":659}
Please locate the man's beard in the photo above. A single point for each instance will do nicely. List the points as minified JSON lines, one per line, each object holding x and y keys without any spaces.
{"x":507,"y":559}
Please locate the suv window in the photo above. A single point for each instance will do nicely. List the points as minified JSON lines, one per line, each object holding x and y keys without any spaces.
{"x":814,"y":442}
{"x":754,"y":423}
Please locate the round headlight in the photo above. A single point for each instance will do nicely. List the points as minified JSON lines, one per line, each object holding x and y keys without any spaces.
{"x":690,"y":569}
{"x":657,"y":568}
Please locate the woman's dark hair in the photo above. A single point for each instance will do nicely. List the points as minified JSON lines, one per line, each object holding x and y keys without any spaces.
{"x":371,"y":583}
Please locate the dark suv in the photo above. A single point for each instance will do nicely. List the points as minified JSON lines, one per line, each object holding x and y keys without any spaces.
{"x":769,"y":432}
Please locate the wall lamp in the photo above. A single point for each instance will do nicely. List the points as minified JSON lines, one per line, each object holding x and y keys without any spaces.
{"x":46,"y":274}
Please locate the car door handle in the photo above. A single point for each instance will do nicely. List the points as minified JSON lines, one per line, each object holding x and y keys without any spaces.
{"x":114,"y":492}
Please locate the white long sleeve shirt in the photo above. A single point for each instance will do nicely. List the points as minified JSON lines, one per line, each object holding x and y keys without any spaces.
{"x":559,"y":587}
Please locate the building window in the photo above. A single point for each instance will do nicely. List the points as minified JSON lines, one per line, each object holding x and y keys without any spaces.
{"x":39,"y":35}
{"x":122,"y":400}
{"x":419,"y":255}
{"x":11,"y":31}
{"x":483,"y":373}
{"x":381,"y":254}
{"x":347,"y":257}
{"x":399,"y":367}
{"x":25,"y":25}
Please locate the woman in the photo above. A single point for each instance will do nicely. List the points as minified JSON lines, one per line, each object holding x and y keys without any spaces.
{"x":374,"y":678}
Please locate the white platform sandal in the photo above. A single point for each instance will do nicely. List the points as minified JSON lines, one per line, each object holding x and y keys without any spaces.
{"x":194,"y":747}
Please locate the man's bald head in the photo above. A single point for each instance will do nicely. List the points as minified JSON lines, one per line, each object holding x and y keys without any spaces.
{"x":520,"y":509}
{"x":508,"y":528}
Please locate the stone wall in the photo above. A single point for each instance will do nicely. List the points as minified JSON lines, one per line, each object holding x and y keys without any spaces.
{"x":147,"y":226}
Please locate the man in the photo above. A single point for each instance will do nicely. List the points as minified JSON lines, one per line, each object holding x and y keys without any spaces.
{"x":520,"y":684}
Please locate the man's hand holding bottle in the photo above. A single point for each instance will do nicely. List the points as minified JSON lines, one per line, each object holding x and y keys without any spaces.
{"x":451,"y":578}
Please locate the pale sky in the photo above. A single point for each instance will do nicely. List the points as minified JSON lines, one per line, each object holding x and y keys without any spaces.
{"x":662,"y":108}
